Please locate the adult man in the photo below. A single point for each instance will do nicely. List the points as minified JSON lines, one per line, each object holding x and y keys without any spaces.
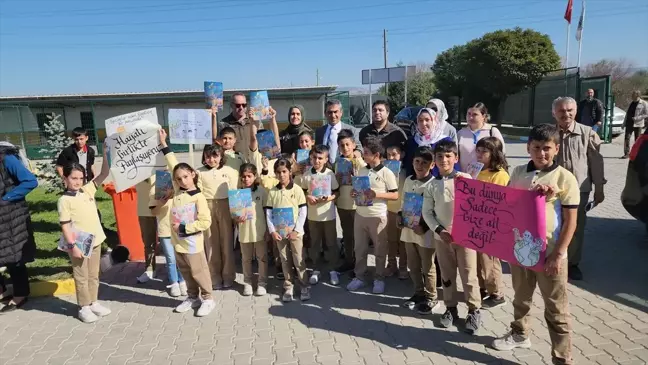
{"x":327,"y":134}
{"x":389,"y":134}
{"x":590,"y":111}
{"x":237,"y":119}
{"x":635,"y":120}
{"x":579,"y":153}
{"x":77,"y":152}
{"x":17,"y":245}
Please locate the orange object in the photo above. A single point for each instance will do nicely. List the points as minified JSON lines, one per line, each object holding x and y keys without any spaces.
{"x":128,"y":228}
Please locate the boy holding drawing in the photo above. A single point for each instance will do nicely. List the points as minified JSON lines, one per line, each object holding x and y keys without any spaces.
{"x":562,"y":193}
{"x":417,"y":237}
{"x":438,"y":212}
{"x":346,"y":206}
{"x":371,"y":220}
{"x":321,"y":190}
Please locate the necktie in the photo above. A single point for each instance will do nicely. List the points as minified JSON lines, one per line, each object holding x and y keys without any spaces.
{"x":332,"y":144}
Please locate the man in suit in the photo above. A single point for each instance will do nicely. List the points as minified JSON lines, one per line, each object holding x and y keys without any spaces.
{"x":327,"y":134}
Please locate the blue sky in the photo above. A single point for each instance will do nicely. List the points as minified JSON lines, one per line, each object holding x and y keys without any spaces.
{"x":77,"y":46}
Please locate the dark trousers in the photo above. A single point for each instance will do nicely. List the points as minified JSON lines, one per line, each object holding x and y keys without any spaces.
{"x":19,"y":278}
{"x":629,"y":131}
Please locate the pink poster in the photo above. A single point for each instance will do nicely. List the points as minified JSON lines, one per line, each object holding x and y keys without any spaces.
{"x":500,"y":221}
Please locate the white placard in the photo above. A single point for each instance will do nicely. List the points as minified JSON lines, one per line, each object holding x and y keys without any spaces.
{"x":189,"y":126}
{"x":135,"y":154}
{"x":119,"y":123}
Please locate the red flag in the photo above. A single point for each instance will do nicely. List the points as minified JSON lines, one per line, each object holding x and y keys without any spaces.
{"x":568,"y":11}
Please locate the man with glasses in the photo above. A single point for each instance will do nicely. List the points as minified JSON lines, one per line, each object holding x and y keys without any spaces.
{"x":327,"y":134}
{"x":237,"y":119}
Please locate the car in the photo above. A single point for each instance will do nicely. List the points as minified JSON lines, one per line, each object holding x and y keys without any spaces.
{"x":634,"y":196}
{"x":406,"y":119}
{"x":617,"y":121}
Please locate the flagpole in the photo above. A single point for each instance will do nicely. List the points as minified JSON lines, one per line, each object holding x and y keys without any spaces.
{"x":581,"y":25}
{"x":567,"y":50}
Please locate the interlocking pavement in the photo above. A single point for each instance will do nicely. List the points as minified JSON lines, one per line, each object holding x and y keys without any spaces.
{"x":609,"y":309}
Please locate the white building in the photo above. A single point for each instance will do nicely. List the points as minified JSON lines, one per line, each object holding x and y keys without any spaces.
{"x":22,"y":118}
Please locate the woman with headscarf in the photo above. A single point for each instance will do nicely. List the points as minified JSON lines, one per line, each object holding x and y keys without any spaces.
{"x":431,"y":127}
{"x":289,"y":137}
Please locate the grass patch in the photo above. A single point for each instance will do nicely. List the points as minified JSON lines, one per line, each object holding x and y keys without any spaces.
{"x":50,"y":263}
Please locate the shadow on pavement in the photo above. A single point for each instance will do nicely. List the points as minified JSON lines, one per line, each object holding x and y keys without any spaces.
{"x":614,"y":261}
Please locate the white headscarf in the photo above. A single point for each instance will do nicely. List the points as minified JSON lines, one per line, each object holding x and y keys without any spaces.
{"x":442,"y":113}
{"x":436,"y":132}
{"x":21,"y":153}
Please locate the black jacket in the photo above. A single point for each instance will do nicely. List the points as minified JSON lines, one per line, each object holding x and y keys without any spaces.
{"x":590,"y":112}
{"x":17,"y":244}
{"x":69,"y":155}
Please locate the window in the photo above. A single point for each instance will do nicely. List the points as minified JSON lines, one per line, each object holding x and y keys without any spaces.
{"x":41,"y":120}
{"x":87,"y":123}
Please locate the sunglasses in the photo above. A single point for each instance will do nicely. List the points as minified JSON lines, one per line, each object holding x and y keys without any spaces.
{"x":241,"y":105}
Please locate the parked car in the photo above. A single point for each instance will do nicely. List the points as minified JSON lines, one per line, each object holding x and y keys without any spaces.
{"x":406,"y":119}
{"x":635,"y":192}
{"x":617,"y":121}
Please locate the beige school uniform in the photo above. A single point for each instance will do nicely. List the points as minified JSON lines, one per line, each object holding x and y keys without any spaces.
{"x":252,"y":238}
{"x":552,"y":288}
{"x":321,"y":218}
{"x":80,"y":210}
{"x":396,"y":246}
{"x":346,"y":208}
{"x":290,"y":196}
{"x":420,"y":248}
{"x":147,"y":222}
{"x":215,"y":184}
{"x":371,"y":222}
{"x":438,"y":212}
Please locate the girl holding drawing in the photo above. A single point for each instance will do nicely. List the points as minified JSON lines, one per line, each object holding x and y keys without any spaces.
{"x":215,"y":178}
{"x":79,"y":218}
{"x":190,"y":217}
{"x":490,"y":152}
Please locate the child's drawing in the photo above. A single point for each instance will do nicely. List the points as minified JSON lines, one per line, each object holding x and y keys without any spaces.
{"x":527,"y":249}
{"x":320,"y":185}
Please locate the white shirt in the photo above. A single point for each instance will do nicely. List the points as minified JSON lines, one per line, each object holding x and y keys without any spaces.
{"x":330,"y":140}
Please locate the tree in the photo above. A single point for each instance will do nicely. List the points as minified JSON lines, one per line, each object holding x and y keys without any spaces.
{"x":57,"y":140}
{"x":497,"y":65}
{"x":625,"y":78}
{"x":420,"y":88}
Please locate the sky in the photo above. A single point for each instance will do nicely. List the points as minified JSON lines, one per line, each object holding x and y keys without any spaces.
{"x":100,"y":46}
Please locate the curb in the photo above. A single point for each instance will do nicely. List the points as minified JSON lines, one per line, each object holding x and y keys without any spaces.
{"x":515,"y":138}
{"x":52,"y":288}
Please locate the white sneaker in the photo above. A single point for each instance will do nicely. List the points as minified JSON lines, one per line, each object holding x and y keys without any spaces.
{"x":206,"y":307}
{"x":261,"y":291}
{"x":99,"y":309}
{"x":314,"y":279}
{"x":183,"y":288}
{"x":334,"y":278}
{"x":305,"y":294}
{"x":355,"y":284}
{"x":287,"y":296}
{"x":146,"y":276}
{"x":174,"y":290}
{"x":378,"y":287}
{"x":86,"y":315}
{"x":187,"y":304}
{"x":247,"y":290}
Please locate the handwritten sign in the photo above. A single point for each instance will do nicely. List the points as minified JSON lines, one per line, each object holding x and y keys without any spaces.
{"x":190,"y":126}
{"x":135,"y":154}
{"x":120,"y":123}
{"x":500,"y":221}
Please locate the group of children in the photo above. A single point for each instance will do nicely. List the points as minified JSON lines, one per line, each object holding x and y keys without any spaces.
{"x":195,"y":226}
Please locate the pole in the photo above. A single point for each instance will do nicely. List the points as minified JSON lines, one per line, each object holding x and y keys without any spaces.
{"x":581,"y":24}
{"x":406,"y":86}
{"x":567,"y":49}
{"x":191,"y":154}
{"x":385,"y":58}
{"x":370,"y":102}
{"x":317,"y":76}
